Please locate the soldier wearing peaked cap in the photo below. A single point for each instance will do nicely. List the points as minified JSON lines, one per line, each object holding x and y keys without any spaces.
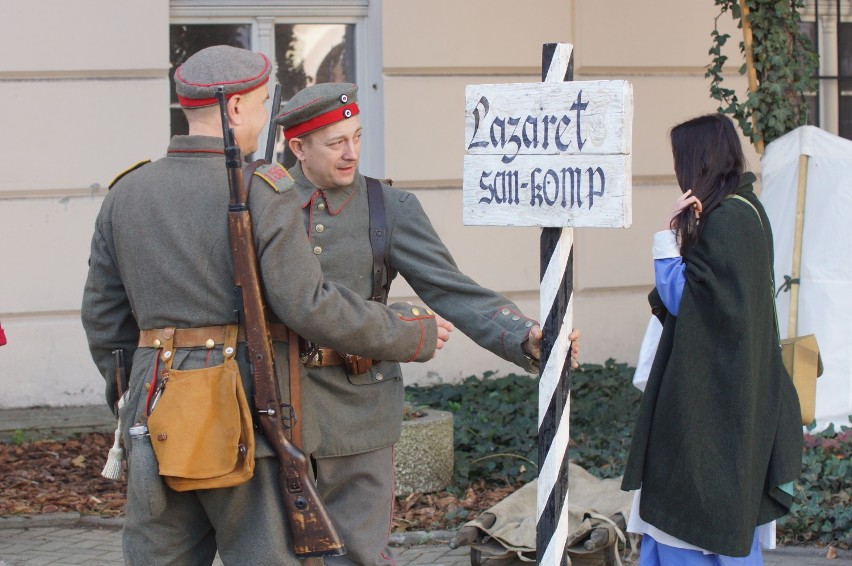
{"x":161,"y":273}
{"x":362,"y":408}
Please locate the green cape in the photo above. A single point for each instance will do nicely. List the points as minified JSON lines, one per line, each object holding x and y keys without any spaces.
{"x":719,"y":426}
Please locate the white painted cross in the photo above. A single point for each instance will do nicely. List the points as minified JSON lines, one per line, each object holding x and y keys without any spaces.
{"x":557,"y":155}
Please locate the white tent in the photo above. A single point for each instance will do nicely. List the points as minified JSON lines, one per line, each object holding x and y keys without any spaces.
{"x":825,"y":291}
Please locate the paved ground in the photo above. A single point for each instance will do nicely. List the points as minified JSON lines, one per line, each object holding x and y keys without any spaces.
{"x":68,"y":539}
{"x":64,"y":539}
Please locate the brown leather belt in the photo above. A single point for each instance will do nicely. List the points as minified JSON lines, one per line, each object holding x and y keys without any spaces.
{"x":203,"y":336}
{"x":317,"y":357}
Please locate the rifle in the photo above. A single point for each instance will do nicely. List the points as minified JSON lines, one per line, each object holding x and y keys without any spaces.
{"x":292,"y":337}
{"x":311,"y":529}
{"x":273,"y":127}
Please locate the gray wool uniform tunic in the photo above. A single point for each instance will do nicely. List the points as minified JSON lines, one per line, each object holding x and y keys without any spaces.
{"x":160,"y":257}
{"x":364,"y":412}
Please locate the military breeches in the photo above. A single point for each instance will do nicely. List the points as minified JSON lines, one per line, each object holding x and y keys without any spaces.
{"x":358,"y":491}
{"x":245,"y":523}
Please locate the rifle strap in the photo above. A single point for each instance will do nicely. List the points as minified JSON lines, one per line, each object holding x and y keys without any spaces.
{"x":248,"y":174}
{"x":295,"y":378}
{"x":378,"y":239}
{"x":295,"y":388}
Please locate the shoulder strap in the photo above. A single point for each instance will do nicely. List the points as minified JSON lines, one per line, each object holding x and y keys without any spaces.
{"x":771,"y":278}
{"x":378,"y":238}
{"x":133,"y":167}
{"x":745,"y":200}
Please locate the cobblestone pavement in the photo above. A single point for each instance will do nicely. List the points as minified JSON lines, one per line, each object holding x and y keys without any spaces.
{"x":66,"y":540}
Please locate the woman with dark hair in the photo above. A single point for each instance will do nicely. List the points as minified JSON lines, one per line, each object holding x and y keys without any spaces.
{"x":718,"y":440}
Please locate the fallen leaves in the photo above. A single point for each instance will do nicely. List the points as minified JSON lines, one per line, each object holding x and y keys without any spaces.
{"x":59,"y":476}
{"x":63,"y":476}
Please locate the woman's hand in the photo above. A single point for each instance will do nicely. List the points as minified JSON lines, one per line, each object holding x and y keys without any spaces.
{"x":684,"y":201}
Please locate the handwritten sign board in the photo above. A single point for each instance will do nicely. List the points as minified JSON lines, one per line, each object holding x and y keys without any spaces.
{"x":548,"y":154}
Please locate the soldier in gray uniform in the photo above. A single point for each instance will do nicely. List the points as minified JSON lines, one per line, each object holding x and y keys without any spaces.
{"x":361,"y":411}
{"x":160,"y":266}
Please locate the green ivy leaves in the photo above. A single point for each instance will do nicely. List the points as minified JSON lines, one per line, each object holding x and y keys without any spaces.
{"x":786,"y":64}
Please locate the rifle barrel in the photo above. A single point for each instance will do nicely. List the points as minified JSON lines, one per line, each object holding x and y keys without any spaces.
{"x":273,"y":128}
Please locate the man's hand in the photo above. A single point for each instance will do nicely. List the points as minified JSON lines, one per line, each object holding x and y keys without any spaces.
{"x":532,"y":345}
{"x":445,"y":327}
{"x":574,"y":337}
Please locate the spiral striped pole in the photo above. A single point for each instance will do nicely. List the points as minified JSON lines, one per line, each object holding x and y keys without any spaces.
{"x":554,"y":400}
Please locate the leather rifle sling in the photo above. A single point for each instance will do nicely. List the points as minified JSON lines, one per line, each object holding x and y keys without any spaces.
{"x":295,"y":378}
{"x":295,"y":388}
{"x":378,"y":238}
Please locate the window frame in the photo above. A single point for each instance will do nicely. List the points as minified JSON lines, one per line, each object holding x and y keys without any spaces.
{"x":262,"y":15}
{"x":826,"y":16}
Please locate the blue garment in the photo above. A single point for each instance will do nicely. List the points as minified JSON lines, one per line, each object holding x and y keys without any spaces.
{"x":669,"y":275}
{"x":658,"y":554}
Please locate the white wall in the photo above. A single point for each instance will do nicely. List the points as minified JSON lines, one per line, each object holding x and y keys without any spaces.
{"x":83,"y":94}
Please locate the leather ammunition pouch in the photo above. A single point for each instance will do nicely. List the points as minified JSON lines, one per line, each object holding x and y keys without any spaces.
{"x":201,"y":426}
{"x":313,"y":356}
{"x":356,"y":365}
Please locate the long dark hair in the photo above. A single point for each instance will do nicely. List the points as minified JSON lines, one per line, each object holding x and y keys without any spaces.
{"x":708,"y":158}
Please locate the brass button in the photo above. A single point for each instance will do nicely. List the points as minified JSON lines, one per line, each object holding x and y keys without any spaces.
{"x":430,"y":312}
{"x":157,"y":343}
{"x":319,"y":228}
{"x":505,"y":312}
{"x":147,"y":386}
{"x":415,"y":311}
{"x":321,"y":206}
{"x":516,"y":317}
{"x":317,"y":250}
{"x":379,"y":377}
{"x":167,"y":354}
{"x":210,"y":343}
{"x":528,"y":323}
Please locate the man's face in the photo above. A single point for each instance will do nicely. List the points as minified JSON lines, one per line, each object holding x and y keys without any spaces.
{"x":330,"y":155}
{"x":253,"y":118}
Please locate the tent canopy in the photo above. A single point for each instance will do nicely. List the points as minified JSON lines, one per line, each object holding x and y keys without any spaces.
{"x":825,"y":290}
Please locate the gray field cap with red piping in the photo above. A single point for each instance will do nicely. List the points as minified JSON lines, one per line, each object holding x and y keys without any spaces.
{"x":317,"y":106}
{"x":238,"y":70}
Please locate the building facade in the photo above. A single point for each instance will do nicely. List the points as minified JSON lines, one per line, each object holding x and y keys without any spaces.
{"x":85,"y":92}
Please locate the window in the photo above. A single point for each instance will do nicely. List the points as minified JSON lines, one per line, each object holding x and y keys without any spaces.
{"x":828,"y":23}
{"x":314,"y":42}
{"x":186,"y":40}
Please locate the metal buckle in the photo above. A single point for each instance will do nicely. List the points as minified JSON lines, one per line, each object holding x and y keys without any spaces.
{"x":311,"y":357}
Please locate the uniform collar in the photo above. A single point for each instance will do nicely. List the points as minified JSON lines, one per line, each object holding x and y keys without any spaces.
{"x":200,"y":146}
{"x":335,"y":199}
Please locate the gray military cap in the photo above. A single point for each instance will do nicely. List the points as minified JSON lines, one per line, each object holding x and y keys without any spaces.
{"x":317,"y":106}
{"x":238,"y":70}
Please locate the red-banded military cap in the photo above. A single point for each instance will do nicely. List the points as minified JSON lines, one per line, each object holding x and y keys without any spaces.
{"x":317,"y":106}
{"x":238,"y":70}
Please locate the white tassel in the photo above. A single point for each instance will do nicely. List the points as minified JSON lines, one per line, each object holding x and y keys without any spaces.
{"x":112,"y":469}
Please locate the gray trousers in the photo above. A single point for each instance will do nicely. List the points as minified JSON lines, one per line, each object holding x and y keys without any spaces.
{"x":359,"y":493}
{"x":165,"y":527}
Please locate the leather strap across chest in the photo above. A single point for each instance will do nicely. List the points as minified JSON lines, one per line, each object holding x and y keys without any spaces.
{"x":378,"y":239}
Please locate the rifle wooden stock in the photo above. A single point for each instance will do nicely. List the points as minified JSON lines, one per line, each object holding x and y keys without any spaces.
{"x":311,"y":528}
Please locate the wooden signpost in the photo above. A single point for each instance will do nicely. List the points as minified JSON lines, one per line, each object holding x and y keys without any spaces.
{"x":557,"y":155}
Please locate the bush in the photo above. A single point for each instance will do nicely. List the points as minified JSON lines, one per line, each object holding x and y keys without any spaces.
{"x":821,"y":512}
{"x":495,"y":427}
{"x":496,"y":421}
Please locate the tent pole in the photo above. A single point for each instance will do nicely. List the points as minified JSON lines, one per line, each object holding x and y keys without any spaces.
{"x":792,"y":321}
{"x":751,"y":72}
